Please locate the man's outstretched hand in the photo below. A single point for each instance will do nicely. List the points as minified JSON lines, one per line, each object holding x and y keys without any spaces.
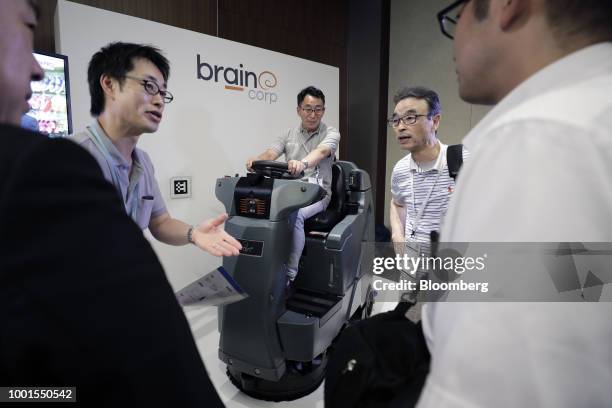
{"x":211,"y":237}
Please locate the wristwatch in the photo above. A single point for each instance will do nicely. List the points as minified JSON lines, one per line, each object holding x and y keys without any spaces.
{"x":305,"y":163}
{"x":190,"y":235}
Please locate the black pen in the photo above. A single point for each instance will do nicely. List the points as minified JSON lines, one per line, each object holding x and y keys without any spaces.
{"x":147,"y":197}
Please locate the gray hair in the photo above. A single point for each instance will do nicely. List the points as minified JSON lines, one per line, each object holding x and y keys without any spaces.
{"x":420,"y":92}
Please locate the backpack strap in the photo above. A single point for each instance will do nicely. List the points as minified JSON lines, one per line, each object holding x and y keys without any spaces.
{"x":454,"y":159}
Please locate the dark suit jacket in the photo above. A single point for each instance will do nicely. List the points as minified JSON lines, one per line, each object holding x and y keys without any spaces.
{"x":83,"y":299}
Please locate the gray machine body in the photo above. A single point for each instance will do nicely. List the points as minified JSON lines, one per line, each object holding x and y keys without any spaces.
{"x":259,"y":333}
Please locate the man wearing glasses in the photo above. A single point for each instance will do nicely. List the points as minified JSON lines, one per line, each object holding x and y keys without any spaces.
{"x":309,"y":147}
{"x":421,"y":185}
{"x":540,"y":172}
{"x":127,"y":84}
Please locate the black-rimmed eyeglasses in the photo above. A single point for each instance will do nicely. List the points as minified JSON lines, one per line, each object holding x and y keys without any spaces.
{"x":317,"y":110}
{"x":407,"y":120}
{"x":153,"y":89}
{"x":449,"y":17}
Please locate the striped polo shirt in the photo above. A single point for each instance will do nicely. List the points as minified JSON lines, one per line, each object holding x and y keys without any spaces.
{"x":410,"y":186}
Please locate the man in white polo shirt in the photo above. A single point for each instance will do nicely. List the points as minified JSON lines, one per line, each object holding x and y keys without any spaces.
{"x":421,"y":185}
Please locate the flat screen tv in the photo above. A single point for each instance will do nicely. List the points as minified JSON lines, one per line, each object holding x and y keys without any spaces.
{"x":50,"y":102}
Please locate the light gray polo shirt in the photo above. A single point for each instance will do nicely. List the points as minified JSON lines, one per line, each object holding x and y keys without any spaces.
{"x":296,"y":143}
{"x":137,"y":184}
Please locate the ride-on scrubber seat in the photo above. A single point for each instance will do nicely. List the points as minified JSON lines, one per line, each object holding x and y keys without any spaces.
{"x":336,"y":210}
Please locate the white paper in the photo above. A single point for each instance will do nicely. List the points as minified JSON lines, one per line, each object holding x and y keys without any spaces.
{"x":213,"y":289}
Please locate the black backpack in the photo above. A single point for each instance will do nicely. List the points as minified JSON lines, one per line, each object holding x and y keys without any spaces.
{"x":381,"y":361}
{"x":378,"y":362}
{"x":454,"y":159}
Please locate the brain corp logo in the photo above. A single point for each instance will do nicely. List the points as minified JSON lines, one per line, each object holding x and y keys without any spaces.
{"x":258,"y":87}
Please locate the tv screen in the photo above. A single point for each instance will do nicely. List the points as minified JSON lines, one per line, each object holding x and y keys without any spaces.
{"x":50,"y":102}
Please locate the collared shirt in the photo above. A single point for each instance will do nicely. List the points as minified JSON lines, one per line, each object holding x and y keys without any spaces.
{"x":540,"y":172}
{"x":423,"y":190}
{"x":297,"y":143}
{"x":135,"y":183}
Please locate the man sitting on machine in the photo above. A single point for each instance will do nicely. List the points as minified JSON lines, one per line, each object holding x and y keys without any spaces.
{"x":309,"y":147}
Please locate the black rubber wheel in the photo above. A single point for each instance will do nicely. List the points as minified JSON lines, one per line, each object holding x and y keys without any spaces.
{"x":295,"y":383}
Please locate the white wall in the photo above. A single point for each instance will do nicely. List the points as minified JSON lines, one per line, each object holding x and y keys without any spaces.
{"x":419,"y":55}
{"x":207,"y":131}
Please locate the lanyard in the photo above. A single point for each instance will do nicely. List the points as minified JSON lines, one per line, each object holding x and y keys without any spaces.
{"x":303,"y":141}
{"x":417,"y":220}
{"x":316,"y":177}
{"x":131,"y":205}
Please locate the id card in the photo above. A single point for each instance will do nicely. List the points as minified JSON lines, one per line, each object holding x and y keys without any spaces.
{"x":315,"y":180}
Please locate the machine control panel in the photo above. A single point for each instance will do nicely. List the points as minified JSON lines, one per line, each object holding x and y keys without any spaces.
{"x":252,"y":196}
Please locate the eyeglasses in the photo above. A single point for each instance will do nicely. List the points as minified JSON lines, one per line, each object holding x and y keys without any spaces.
{"x":409,"y":119}
{"x":153,"y":89}
{"x":448,"y":24}
{"x":317,"y":110}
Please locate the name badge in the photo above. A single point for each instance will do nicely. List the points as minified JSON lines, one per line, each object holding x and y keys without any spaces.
{"x":315,"y":180}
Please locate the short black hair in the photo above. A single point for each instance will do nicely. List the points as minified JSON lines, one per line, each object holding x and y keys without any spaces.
{"x":580,"y":18}
{"x":312,"y":91}
{"x":116,"y":60}
{"x":570,"y":18}
{"x":420,"y":92}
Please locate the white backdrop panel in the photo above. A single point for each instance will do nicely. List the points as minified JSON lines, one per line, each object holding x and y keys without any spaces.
{"x":208,"y":131}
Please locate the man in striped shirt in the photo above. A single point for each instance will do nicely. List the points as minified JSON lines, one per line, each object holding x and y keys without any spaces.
{"x":421,"y":186}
